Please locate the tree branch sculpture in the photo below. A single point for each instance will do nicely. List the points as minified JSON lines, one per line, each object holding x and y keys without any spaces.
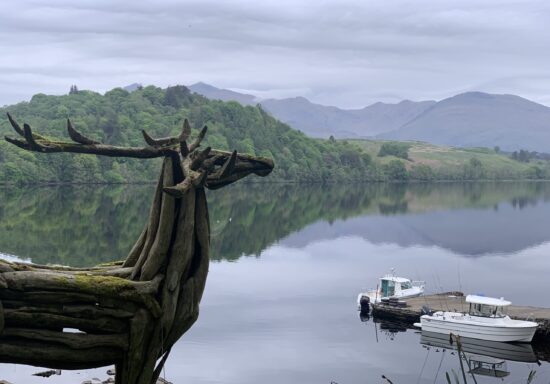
{"x":130,"y":313}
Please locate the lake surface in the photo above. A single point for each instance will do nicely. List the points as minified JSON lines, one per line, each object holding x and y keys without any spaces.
{"x":279,"y":304}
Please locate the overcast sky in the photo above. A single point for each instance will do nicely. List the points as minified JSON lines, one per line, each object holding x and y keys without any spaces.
{"x":344,"y":53}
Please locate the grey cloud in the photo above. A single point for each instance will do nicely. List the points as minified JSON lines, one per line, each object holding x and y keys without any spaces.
{"x":346,"y":53}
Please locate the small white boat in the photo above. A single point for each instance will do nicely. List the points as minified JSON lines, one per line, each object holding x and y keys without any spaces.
{"x":390,"y":287}
{"x":486,"y":320}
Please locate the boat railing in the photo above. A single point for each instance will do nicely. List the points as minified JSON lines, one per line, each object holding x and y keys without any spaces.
{"x":418,"y":283}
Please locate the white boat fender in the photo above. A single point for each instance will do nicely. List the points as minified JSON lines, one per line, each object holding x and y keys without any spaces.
{"x":418,"y":325}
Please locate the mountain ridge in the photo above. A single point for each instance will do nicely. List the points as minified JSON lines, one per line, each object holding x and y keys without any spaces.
{"x":478,"y":119}
{"x":468,"y":119}
{"x":323,"y":121}
{"x":118,"y":118}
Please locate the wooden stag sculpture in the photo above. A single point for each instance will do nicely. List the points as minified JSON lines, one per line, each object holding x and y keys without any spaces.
{"x":129,"y":313}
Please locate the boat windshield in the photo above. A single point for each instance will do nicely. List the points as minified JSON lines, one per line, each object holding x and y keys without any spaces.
{"x":387,"y":288}
{"x":406,"y":285}
{"x":483,"y":310}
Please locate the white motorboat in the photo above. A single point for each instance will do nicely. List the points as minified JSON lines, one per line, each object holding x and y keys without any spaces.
{"x":486,"y":320}
{"x":390,"y":287}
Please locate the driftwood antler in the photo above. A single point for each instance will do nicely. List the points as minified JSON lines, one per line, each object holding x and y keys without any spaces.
{"x":159,"y":286}
{"x":210,"y":168}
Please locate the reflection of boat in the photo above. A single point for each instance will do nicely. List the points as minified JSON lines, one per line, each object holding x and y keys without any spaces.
{"x":481,"y":357}
{"x":386,"y":327}
{"x":487,"y":366}
{"x":364,"y":316}
{"x":390,"y":287}
{"x":390,"y":328}
{"x":486,"y":320}
{"x":520,"y":352}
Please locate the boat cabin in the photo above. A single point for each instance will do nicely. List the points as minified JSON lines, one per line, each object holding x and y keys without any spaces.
{"x":391,"y":285}
{"x":482,"y":306}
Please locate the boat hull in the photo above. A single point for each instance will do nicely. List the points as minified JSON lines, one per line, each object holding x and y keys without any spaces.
{"x":374,"y":298}
{"x":378,"y":299}
{"x":478,"y":331}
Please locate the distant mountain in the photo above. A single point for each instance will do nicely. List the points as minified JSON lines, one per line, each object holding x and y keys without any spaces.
{"x":214,"y":93}
{"x":323,"y":121}
{"x":313,"y":119}
{"x":133,"y":87}
{"x":472,"y":119}
{"x":477,"y":119}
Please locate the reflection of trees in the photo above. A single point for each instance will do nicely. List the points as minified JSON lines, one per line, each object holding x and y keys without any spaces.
{"x":259,"y":218}
{"x":391,"y":199}
{"x":72,"y":225}
{"x":262,"y":214}
{"x":91,"y":224}
{"x":523,"y":202}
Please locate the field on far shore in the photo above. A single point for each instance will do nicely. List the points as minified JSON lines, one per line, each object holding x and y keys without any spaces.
{"x":444,"y":160}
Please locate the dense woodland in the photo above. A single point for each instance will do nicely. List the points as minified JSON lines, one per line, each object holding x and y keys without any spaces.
{"x":118,"y":117}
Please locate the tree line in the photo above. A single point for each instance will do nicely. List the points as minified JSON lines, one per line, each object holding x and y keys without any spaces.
{"x":118,"y":116}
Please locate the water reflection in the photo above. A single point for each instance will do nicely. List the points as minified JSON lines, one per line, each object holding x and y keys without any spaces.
{"x":478,"y":359}
{"x":91,"y":224}
{"x":79,"y":226}
{"x":384,"y":327}
{"x":289,"y":314}
{"x":521,"y":352}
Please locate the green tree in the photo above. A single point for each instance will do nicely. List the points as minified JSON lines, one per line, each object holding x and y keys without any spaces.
{"x":396,"y":149}
{"x":396,"y":170}
{"x":422,"y":172}
{"x":474,"y":169}
{"x":177,"y":96}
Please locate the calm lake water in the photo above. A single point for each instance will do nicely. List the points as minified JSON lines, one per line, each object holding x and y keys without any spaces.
{"x":279,"y":305}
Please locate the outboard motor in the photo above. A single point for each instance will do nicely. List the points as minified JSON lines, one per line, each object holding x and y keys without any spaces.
{"x":364,"y":302}
{"x":426,"y":310}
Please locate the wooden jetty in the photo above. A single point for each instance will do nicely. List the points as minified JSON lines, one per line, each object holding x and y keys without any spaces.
{"x":455,"y":301}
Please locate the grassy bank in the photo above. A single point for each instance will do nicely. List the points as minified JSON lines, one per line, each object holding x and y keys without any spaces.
{"x":426,"y":161}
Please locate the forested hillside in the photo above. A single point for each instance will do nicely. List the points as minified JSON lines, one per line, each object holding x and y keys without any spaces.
{"x":119,"y":116}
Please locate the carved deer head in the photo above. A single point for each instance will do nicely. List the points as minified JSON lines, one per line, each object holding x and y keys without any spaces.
{"x":208,"y":167}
